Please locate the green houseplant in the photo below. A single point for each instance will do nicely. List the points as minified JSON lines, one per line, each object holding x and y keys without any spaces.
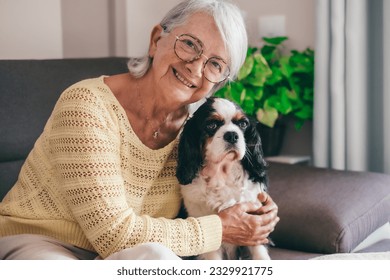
{"x":272,"y":86}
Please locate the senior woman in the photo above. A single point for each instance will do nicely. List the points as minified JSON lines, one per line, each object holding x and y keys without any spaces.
{"x":100,"y":181}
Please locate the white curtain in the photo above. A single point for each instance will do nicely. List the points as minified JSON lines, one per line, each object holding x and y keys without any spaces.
{"x":351,"y":125}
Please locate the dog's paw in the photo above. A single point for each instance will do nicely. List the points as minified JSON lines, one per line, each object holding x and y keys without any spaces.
{"x":259,"y":252}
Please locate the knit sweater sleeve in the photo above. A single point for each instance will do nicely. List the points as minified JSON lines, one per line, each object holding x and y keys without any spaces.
{"x":84,"y":145}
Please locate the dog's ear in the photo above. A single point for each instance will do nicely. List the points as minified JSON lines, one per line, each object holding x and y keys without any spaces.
{"x":190,"y":156}
{"x":253,"y":160}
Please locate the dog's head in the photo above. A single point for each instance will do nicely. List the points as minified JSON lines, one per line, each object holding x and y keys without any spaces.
{"x":219,"y":129}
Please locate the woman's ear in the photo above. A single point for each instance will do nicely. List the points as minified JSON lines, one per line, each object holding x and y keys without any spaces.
{"x":154,"y":38}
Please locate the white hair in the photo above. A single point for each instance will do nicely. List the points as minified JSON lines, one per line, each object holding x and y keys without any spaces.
{"x":229,"y":21}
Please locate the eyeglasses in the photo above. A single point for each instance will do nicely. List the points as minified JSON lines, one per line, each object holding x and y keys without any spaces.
{"x":189,"y":48}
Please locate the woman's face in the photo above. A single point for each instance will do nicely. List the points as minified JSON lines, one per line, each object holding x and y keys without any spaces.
{"x":179,"y":81}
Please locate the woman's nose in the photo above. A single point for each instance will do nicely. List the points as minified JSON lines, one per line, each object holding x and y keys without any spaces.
{"x":196,"y":67}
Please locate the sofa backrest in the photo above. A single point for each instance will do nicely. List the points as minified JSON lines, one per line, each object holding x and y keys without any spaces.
{"x":29,"y":90}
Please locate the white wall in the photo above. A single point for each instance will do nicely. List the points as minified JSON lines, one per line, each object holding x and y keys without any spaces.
{"x":86,"y":28}
{"x":92,"y":28}
{"x":299,"y":19}
{"x":142,"y":15}
{"x":30,"y":29}
{"x":118,"y":21}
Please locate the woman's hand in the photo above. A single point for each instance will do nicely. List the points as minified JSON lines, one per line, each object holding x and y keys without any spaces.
{"x":247,"y":224}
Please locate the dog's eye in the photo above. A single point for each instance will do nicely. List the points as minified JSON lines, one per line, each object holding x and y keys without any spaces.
{"x":243,"y":124}
{"x":211,"y":126}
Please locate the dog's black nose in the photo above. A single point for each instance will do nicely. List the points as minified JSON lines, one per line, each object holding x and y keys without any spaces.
{"x":231,"y":137}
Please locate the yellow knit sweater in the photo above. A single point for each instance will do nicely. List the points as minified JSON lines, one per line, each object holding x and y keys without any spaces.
{"x":91,"y":182}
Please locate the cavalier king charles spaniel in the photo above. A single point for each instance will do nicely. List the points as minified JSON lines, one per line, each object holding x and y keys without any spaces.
{"x":220,"y":164}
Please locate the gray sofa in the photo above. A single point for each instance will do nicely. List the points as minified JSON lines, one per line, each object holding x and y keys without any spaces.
{"x":322,"y":211}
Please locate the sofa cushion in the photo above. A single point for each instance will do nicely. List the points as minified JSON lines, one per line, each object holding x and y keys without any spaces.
{"x":28,"y":92}
{"x":9,"y":172}
{"x":327,"y":211}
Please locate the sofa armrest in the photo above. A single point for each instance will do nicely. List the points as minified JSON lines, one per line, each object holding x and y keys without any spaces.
{"x":327,"y":211}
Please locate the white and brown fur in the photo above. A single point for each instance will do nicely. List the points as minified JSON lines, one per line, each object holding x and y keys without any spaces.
{"x":221,"y":164}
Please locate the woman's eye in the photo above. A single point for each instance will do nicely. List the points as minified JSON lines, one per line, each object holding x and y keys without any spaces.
{"x":190,"y":44}
{"x":216,"y":66}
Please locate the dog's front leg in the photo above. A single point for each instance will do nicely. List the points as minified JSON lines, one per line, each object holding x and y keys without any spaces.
{"x":259,"y":252}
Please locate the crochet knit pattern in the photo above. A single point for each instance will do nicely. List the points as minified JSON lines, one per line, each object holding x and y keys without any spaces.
{"x":91,"y":182}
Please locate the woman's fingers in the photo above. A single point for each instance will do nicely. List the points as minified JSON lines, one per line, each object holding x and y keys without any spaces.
{"x":245,"y":229}
{"x":267,"y":204}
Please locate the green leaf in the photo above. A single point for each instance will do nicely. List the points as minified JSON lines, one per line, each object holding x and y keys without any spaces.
{"x":294,"y":85}
{"x":260,"y":60}
{"x":306,"y":113}
{"x":258,"y":93}
{"x":279,"y":101}
{"x":252,"y":92}
{"x":223,"y":92}
{"x":292,"y":95}
{"x":269,"y":52}
{"x":302,"y":62}
{"x":274,"y":40}
{"x":236,"y":91}
{"x":260,"y":71}
{"x":285,"y":67}
{"x":285,"y":106}
{"x":246,"y":68}
{"x":248,"y":106}
{"x":275,"y":77}
{"x":267,"y":116}
{"x":308,"y":94}
{"x":251,"y":51}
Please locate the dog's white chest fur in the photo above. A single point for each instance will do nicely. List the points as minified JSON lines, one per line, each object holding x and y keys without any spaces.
{"x":215,"y":190}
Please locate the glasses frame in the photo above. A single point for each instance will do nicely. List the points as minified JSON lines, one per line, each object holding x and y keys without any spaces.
{"x":200,"y":55}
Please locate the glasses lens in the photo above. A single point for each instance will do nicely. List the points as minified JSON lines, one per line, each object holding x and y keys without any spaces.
{"x":216,"y":70}
{"x":188,"y":48}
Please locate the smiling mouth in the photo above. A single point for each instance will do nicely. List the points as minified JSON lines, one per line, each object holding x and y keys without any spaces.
{"x":183,"y":80}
